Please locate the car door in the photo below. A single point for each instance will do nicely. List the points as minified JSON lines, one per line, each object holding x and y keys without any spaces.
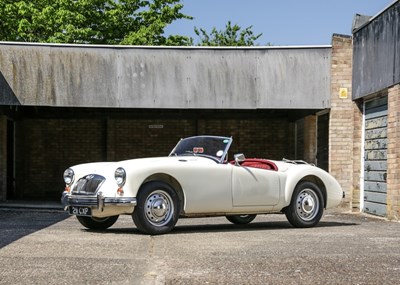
{"x":254,"y":187}
{"x":207,"y":187}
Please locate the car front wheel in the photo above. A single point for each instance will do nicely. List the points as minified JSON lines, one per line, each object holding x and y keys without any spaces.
{"x":97,"y":223}
{"x":157,"y":208}
{"x":306,"y":206}
{"x":241,"y":219}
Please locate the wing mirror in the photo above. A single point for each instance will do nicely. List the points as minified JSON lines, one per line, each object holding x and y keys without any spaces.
{"x":239,"y":158}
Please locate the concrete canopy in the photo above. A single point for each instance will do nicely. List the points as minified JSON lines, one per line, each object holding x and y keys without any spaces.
{"x":163,"y":77}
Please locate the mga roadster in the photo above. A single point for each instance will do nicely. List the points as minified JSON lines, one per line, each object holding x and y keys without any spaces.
{"x":197,"y":180}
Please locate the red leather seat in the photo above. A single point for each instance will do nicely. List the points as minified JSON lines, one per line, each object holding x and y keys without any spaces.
{"x":258,"y":163}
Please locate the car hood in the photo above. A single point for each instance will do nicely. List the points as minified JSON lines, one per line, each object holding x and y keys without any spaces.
{"x":107,"y":167}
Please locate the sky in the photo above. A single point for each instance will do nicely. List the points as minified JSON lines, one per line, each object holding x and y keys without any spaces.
{"x":281,"y":22}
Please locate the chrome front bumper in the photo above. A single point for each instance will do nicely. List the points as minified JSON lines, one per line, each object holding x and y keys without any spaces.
{"x":98,"y":201}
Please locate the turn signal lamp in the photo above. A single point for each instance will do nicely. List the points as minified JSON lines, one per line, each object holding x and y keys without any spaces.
{"x":120,"y":191}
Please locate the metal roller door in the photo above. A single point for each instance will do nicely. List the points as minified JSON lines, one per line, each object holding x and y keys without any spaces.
{"x":375,"y":156}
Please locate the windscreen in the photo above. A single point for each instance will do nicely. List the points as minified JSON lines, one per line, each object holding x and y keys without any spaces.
{"x":208,"y":146}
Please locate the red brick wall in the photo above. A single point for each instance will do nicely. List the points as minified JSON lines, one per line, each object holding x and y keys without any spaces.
{"x":46,"y":147}
{"x":393,"y":155}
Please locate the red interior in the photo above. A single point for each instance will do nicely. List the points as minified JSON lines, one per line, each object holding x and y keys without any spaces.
{"x":258,"y":163}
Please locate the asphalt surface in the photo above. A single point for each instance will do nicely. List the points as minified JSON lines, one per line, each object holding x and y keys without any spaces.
{"x":50,"y":247}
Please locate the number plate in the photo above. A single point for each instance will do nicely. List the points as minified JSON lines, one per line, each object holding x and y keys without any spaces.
{"x":80,"y":211}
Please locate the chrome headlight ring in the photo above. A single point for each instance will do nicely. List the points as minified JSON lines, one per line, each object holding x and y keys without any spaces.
{"x":69,"y":176}
{"x":120,"y":176}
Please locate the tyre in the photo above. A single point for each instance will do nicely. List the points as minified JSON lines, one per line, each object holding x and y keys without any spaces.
{"x":306,"y":206}
{"x":157,"y":208}
{"x":241,"y":219}
{"x":97,"y":223}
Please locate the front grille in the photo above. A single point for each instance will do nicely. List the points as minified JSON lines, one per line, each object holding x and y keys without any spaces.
{"x":88,"y":185}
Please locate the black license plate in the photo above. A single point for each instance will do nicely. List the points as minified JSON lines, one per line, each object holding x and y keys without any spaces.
{"x":80,"y":211}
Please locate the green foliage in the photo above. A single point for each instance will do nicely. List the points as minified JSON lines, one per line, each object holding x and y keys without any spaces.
{"x":134,"y":22}
{"x":231,"y":36}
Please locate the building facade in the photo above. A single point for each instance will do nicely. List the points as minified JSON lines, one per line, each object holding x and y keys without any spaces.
{"x":63,"y":105}
{"x":336,"y":106}
{"x":376,"y":79}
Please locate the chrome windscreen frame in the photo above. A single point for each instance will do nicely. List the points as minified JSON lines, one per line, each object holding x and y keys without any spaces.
{"x":220,"y":159}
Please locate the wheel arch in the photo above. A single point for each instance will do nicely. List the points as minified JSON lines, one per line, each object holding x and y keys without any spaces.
{"x":171,"y":181}
{"x":317,"y":181}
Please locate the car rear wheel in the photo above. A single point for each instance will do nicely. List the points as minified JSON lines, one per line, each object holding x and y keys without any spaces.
{"x":306,"y":207}
{"x":157,"y":208}
{"x":97,"y":223}
{"x":241,"y":219}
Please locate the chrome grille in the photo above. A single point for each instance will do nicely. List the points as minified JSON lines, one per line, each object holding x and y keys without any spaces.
{"x":88,"y":185}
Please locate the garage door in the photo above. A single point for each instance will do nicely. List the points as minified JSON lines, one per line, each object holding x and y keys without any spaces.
{"x":375,"y":156}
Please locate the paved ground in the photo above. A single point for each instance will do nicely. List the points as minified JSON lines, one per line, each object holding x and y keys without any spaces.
{"x":49,"y":247}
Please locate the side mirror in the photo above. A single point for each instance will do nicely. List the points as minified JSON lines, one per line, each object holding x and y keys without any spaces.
{"x":239,"y":158}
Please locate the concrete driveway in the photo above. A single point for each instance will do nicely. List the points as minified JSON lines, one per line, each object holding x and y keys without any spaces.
{"x":49,"y":247}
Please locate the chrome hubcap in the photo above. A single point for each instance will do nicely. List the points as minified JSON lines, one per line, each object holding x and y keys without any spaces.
{"x":307,"y":204}
{"x":159,"y":208}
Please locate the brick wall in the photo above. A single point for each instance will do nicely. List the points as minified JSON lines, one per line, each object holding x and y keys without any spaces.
{"x":46,"y":147}
{"x":262,"y":138}
{"x":300,"y":131}
{"x":341,"y":122}
{"x":310,"y":139}
{"x":3,"y":158}
{"x":271,"y":138}
{"x":357,"y":143}
{"x":145,"y":138}
{"x":393,"y":154}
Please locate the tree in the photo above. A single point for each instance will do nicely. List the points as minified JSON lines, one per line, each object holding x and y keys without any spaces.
{"x":231,"y":36}
{"x":136,"y":22}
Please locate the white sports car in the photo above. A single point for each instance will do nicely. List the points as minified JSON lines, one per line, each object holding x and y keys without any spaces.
{"x":197,"y":180}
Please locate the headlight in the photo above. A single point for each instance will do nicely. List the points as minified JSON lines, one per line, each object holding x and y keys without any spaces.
{"x":69,"y":176}
{"x":120,"y":176}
